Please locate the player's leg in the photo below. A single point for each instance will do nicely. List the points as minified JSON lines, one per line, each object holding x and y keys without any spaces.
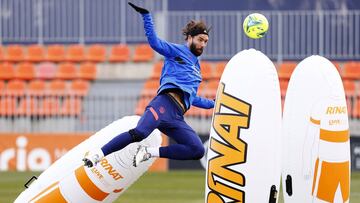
{"x":147,"y":123}
{"x":188,"y":146}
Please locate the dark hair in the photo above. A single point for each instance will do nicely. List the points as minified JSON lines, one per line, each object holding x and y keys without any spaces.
{"x":194,"y":28}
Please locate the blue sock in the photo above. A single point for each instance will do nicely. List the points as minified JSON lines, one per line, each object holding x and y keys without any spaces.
{"x":117,"y":143}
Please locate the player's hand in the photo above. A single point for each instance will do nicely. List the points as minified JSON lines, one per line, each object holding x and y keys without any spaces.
{"x":138,"y":9}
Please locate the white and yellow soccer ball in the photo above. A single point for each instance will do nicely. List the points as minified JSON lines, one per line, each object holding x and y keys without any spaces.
{"x":255,"y":25}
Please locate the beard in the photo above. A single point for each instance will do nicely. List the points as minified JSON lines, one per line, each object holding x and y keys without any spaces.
{"x":196,"y":51}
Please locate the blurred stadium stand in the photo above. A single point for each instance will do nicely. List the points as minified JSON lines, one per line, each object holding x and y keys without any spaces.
{"x":77,"y":65}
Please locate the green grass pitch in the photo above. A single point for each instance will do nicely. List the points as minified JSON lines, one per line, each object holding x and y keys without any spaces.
{"x":168,"y":187}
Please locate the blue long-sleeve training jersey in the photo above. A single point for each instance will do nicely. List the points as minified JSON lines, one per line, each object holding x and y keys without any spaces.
{"x":181,"y":67}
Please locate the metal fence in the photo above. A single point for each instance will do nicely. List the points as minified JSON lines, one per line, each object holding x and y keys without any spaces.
{"x":293,"y":35}
{"x":93,"y":113}
{"x":72,"y":21}
{"x":97,"y":111}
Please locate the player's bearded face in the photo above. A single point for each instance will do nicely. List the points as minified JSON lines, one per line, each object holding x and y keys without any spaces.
{"x":195,"y":50}
{"x":198,"y":44}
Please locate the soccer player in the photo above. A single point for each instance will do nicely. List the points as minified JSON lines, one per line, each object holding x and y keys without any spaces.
{"x":179,"y":81}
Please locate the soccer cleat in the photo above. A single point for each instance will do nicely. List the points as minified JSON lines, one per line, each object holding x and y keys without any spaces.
{"x":141,"y":155}
{"x":93,"y":157}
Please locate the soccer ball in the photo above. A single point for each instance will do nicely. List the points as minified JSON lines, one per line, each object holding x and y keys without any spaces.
{"x":255,"y":25}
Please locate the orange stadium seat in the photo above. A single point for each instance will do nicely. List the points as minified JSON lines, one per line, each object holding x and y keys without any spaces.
{"x":30,"y":105}
{"x":36,"y":87}
{"x":283,"y":87}
{"x":7,"y":106}
{"x":148,"y":92}
{"x":27,"y":107}
{"x":25,"y":71}
{"x":351,"y":70}
{"x":57,"y":87}
{"x":16,"y":87}
{"x":212,"y":88}
{"x":56,"y":53}
{"x":119,"y":53}
{"x":76,"y":53}
{"x":36,"y":53}
{"x":6,"y":71}
{"x":143,"y":53}
{"x":219,"y":69}
{"x":66,"y":71}
{"x":156,"y":71}
{"x":2,"y":87}
{"x":208,"y":89}
{"x":285,"y":69}
{"x":350,"y":93}
{"x":193,"y":111}
{"x":46,"y":70}
{"x":202,"y":87}
{"x":203,"y":91}
{"x":213,"y":84}
{"x":358,"y":109}
{"x":2,"y":53}
{"x":96,"y":53}
{"x":151,"y":84}
{"x":337,"y":65}
{"x":87,"y":71}
{"x":350,"y":87}
{"x":206,"y":70}
{"x":206,"y":112}
{"x":141,"y":105}
{"x":150,"y":88}
{"x":14,"y":53}
{"x":49,"y":106}
{"x":71,"y":106}
{"x":79,"y":87}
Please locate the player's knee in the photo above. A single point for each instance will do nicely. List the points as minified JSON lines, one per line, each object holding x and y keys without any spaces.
{"x":198,"y":152}
{"x":137,"y":135}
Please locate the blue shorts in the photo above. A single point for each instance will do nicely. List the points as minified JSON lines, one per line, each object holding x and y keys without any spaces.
{"x":165,"y":114}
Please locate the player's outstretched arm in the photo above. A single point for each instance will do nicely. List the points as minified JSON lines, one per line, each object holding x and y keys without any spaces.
{"x":162,"y":47}
{"x":204,"y":103}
